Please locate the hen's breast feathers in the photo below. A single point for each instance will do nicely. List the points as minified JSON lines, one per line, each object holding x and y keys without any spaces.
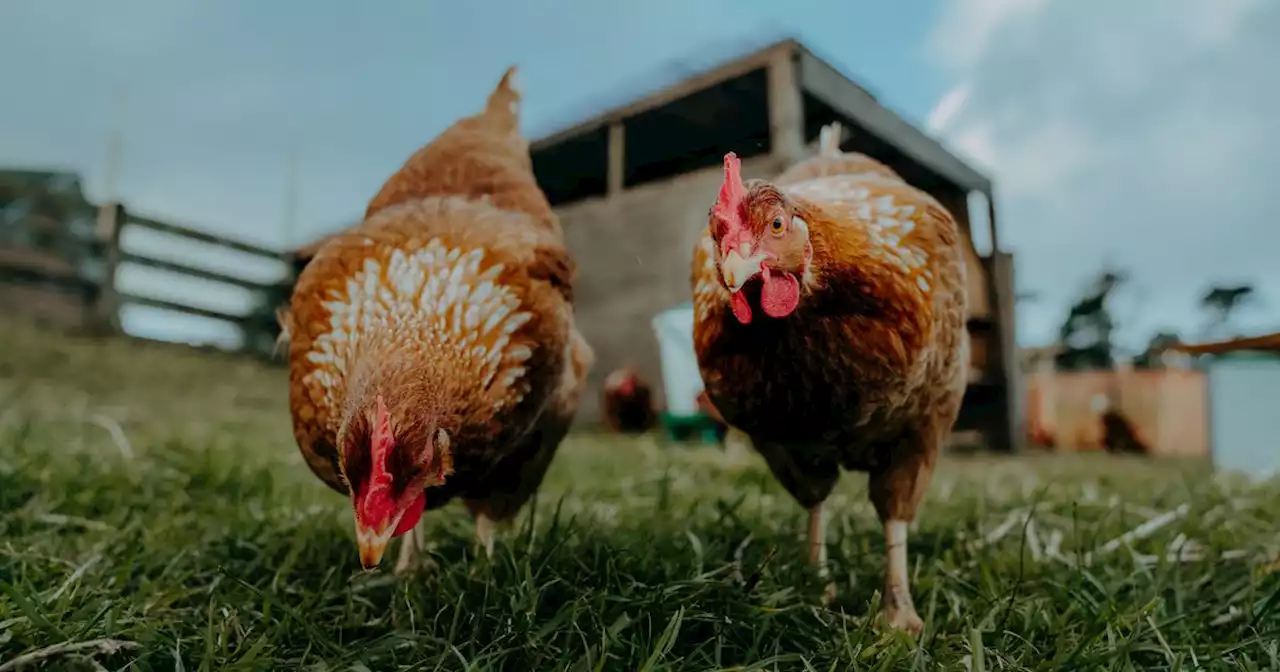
{"x":470,"y":300}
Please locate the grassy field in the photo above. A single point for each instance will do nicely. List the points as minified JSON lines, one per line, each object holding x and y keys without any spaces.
{"x":155,"y":515}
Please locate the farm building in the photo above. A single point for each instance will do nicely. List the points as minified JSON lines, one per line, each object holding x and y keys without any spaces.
{"x":632,"y":185}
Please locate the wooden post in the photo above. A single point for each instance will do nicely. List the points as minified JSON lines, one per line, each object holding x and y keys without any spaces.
{"x":1005,"y":288}
{"x":104,"y":312}
{"x":617,"y":158}
{"x":786,"y":109}
{"x":1007,"y":428}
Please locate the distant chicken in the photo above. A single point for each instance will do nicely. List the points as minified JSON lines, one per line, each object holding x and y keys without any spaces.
{"x":830,"y":327}
{"x":628,"y":402}
{"x":432,"y":348}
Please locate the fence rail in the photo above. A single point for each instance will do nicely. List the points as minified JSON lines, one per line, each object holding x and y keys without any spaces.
{"x":201,"y":236}
{"x":62,"y":272}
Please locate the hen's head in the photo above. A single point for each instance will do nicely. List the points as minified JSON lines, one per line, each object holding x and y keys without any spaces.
{"x":388,"y":468}
{"x":761,"y":242}
{"x":622,"y":381}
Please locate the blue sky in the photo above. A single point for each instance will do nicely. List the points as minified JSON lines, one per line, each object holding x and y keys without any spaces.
{"x":1072,"y":107}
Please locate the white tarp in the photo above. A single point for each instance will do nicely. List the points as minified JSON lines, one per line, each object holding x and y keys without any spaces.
{"x":680,"y":377}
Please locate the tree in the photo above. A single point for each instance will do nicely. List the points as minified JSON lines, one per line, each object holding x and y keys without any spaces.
{"x":1149,"y":358}
{"x":1222,"y":302}
{"x":1087,"y":332}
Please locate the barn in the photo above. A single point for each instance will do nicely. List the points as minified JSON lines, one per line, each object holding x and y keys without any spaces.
{"x":631,"y":186}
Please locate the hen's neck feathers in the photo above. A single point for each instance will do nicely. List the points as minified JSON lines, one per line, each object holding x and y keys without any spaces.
{"x":849,"y":273}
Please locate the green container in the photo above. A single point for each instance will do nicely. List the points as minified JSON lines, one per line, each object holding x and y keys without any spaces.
{"x":697,"y":427}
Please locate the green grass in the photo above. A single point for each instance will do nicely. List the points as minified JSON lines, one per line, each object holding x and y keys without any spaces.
{"x":153,"y":497}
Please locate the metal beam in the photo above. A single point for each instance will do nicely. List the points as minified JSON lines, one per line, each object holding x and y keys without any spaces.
{"x":827,"y":84}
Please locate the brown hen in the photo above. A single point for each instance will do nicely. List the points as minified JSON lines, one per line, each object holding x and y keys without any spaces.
{"x":829,"y":325}
{"x":628,"y":402}
{"x":432,"y":347}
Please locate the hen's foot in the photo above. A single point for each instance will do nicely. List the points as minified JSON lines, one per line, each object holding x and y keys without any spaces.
{"x":903,"y":618}
{"x":898,"y":608}
{"x":829,"y":594}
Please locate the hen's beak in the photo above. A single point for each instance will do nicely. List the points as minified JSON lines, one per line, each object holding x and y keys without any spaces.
{"x":737,"y":268}
{"x":372,"y":544}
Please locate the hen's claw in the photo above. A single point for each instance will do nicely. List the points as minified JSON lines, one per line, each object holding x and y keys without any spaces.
{"x":903,"y":618}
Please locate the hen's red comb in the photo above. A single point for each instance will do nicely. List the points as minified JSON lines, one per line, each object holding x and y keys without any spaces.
{"x":728,"y":206}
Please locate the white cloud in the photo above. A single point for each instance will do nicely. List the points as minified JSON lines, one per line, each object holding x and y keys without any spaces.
{"x":1142,"y":132}
{"x":942,"y":114}
{"x":965,"y":28}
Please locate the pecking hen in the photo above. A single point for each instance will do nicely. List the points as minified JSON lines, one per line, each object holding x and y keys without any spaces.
{"x":628,"y":402}
{"x":829,"y":324}
{"x":432,"y":348}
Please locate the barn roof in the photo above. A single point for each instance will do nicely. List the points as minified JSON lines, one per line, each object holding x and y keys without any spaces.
{"x":571,"y":161}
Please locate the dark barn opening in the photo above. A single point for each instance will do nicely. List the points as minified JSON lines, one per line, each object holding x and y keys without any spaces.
{"x":696,"y":131}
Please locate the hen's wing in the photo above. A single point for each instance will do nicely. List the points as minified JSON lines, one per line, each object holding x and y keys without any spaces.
{"x":518,"y":475}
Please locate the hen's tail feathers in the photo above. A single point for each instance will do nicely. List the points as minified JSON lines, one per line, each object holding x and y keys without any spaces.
{"x":493,"y":130}
{"x":503,"y":106}
{"x":829,"y":140}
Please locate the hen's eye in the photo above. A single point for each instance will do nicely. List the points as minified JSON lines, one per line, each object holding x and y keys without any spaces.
{"x":776,"y":225}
